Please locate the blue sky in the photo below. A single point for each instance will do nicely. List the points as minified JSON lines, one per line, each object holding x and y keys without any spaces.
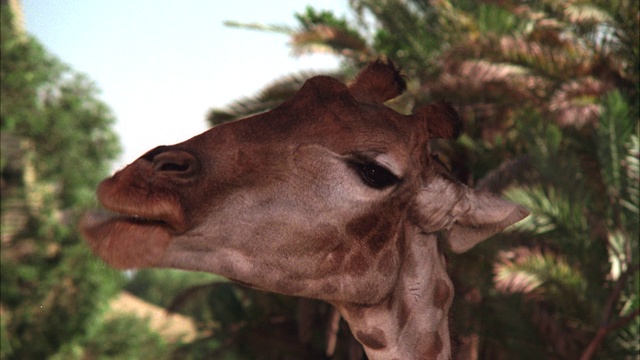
{"x":161,"y":65}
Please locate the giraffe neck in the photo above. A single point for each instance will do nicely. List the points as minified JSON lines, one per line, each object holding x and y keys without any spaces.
{"x":412,"y":323}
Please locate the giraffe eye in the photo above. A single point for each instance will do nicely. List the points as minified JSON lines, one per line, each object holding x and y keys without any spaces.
{"x":375,"y":175}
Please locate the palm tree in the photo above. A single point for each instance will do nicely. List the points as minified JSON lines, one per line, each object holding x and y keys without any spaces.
{"x":549,"y":94}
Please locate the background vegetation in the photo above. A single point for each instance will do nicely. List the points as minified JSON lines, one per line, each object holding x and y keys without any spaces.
{"x":57,"y":143}
{"x":549,"y":94}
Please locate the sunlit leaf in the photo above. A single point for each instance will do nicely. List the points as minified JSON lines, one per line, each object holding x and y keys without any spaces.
{"x":537,"y":273}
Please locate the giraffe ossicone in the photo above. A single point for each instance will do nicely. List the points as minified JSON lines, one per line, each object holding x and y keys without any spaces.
{"x":331,"y":195}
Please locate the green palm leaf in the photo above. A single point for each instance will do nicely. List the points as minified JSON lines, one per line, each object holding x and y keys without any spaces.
{"x":534,"y":272}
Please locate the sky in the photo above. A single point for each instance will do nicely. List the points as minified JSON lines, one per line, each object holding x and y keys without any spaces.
{"x":162,"y":65}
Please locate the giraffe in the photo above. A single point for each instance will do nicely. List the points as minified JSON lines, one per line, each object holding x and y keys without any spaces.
{"x":331,"y":195}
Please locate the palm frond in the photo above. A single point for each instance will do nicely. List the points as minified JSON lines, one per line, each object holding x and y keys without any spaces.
{"x":513,"y":275}
{"x":544,"y":51}
{"x":626,"y":341}
{"x":328,"y":39}
{"x":618,"y":153}
{"x":631,"y":163}
{"x":555,"y":291}
{"x":613,"y":137}
{"x":481,"y":81}
{"x":499,"y":179}
{"x":586,"y":14}
{"x":456,"y":21}
{"x":497,"y":20}
{"x":551,"y":210}
{"x":406,"y":31}
{"x":535,"y":273}
{"x":284,"y":29}
{"x":619,"y":257}
{"x":577,"y":102}
{"x":597,"y":24}
{"x":322,"y":31}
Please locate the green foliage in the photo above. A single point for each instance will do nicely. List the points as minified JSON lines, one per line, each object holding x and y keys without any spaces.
{"x":547,"y":275}
{"x":51,"y":300}
{"x":616,"y":142}
{"x":250,"y":324}
{"x":585,"y":207}
{"x":161,"y":286}
{"x":410,"y":32}
{"x":25,"y":68}
{"x":546,"y":269}
{"x":122,"y":337}
{"x":57,"y":142}
{"x":323,"y":31}
{"x":497,"y":20}
{"x":74,"y":123}
{"x":312,"y":18}
{"x":238,"y":323}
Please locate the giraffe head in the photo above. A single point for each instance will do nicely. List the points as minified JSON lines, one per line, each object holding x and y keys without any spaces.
{"x":314,"y":198}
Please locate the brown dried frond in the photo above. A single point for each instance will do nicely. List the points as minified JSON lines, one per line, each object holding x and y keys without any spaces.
{"x":586,"y":14}
{"x":328,"y":39}
{"x":481,"y":81}
{"x":509,"y":278}
{"x":502,"y":177}
{"x":577,"y":103}
{"x":546,"y":52}
{"x":538,"y":274}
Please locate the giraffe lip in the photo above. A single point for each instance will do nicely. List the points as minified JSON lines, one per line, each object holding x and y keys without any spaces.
{"x":126,"y":241}
{"x":103,"y":216}
{"x":134,"y":219}
{"x":104,"y":225}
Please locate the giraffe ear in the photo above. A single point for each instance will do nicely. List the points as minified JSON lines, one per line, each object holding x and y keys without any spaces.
{"x":442,"y":120}
{"x":481,"y":215}
{"x":465,"y":215}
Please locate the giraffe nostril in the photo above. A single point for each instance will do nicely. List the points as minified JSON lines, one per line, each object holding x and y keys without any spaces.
{"x":174,"y":162}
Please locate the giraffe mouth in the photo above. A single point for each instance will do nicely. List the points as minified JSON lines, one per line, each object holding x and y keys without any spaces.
{"x":126,"y":241}
{"x":138,"y":222}
{"x":102,"y":217}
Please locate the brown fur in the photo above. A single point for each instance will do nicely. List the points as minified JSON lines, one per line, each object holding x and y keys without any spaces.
{"x":378,"y":82}
{"x":374,"y":339}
